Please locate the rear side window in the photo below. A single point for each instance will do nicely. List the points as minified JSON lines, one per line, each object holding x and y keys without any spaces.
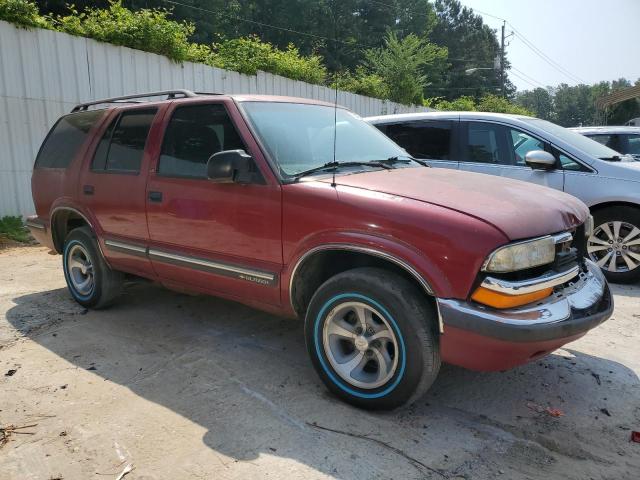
{"x":427,"y":140}
{"x":65,"y":139}
{"x":485,"y":144}
{"x":193,"y":135}
{"x":122,"y":145}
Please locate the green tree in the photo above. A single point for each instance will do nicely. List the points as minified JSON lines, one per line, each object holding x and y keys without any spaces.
{"x":471,"y":44}
{"x":538,"y":101}
{"x":400,"y":63}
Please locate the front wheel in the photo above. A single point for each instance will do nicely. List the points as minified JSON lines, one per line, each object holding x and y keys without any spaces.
{"x":615,"y":243}
{"x":89,"y":279}
{"x":372,"y":338}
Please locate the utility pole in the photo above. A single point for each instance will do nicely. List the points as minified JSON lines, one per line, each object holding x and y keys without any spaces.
{"x":502,"y":61}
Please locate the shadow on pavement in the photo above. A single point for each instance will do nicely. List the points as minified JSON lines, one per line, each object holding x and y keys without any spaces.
{"x":245,"y":377}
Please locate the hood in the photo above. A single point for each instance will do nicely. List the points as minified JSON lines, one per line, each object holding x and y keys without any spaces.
{"x":518,"y":209}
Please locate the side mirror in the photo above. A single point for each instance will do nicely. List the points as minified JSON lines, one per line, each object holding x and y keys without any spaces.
{"x":231,"y":166}
{"x":540,"y":160}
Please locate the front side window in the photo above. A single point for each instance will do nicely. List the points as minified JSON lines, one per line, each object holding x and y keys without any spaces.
{"x":429,"y":140}
{"x":522,"y":143}
{"x":194,"y":134}
{"x":299,"y":137}
{"x":587,"y":145}
{"x":66,"y":138}
{"x":122,"y":145}
{"x":485,"y":144}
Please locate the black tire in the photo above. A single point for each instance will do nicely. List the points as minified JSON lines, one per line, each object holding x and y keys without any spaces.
{"x":105,"y":285}
{"x":631,"y":217}
{"x":408,"y":315}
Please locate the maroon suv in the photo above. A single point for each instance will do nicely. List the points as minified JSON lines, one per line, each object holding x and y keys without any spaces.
{"x":301,"y":208}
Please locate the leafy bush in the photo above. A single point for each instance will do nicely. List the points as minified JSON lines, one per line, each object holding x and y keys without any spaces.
{"x":494,"y":103}
{"x":248,"y":55}
{"x":22,"y":13}
{"x":488,"y":103}
{"x":147,"y":29}
{"x":13,"y":229}
{"x":361,"y":82}
{"x":465,"y":104}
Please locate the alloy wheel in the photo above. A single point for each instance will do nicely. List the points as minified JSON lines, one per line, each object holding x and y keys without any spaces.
{"x":615,"y":246}
{"x":360,"y":345}
{"x":80,"y":270}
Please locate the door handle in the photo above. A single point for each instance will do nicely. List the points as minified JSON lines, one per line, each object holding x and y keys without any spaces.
{"x":155,"y":196}
{"x":87,"y":189}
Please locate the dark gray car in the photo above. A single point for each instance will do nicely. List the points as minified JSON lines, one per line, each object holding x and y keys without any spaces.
{"x":538,"y":151}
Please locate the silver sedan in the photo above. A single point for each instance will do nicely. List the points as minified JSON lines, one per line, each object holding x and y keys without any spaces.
{"x":538,"y":151}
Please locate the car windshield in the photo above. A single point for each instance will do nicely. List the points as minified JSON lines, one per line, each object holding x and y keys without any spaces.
{"x":300,"y":137}
{"x":587,"y":145}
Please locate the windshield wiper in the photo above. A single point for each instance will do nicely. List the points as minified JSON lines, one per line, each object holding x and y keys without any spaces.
{"x":330,"y":165}
{"x":392,"y":160}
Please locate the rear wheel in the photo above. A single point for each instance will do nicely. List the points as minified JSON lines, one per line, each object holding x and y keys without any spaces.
{"x":372,"y":339}
{"x":90,"y":280}
{"x":615,"y":243}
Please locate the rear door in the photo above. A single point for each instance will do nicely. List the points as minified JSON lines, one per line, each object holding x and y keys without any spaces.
{"x":221,"y":238}
{"x":113,"y":187}
{"x":429,"y":140}
{"x":497,"y":149}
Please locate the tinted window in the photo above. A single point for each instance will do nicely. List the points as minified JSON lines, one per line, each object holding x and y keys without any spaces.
{"x":522,"y":143}
{"x":122,"y":145}
{"x":611,"y":141}
{"x":429,"y":140}
{"x":633,"y":144}
{"x":484,"y":144}
{"x":65,"y":139}
{"x":193,"y":135}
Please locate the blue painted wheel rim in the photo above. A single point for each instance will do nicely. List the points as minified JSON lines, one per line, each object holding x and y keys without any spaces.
{"x":336,"y":379}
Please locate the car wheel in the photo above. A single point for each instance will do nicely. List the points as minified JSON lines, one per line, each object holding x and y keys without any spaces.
{"x":372,"y":338}
{"x":89,"y":279}
{"x":615,"y":243}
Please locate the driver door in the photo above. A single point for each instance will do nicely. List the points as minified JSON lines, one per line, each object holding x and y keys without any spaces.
{"x":497,"y":149}
{"x":224,"y":238}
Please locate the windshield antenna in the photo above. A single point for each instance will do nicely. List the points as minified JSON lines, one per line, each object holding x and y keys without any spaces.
{"x":335,"y":103}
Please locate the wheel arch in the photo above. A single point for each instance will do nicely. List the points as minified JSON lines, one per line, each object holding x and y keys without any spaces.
{"x":319,"y":263}
{"x":600,"y":206}
{"x":63,"y":220}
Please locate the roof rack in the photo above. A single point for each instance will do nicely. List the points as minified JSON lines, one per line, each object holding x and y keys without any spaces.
{"x":171,"y":94}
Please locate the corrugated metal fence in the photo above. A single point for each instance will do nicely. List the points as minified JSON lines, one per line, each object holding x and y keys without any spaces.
{"x":43,"y":74}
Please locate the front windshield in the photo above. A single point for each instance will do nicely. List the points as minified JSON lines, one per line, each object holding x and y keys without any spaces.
{"x":300,"y":136}
{"x":588,"y":146}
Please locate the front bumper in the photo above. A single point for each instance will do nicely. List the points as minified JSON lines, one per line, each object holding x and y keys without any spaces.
{"x":483,"y":338}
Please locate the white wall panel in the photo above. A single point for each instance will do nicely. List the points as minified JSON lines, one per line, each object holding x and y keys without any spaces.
{"x":43,"y":74}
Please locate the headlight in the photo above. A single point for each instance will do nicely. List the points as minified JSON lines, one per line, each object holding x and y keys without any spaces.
{"x":519,"y":256}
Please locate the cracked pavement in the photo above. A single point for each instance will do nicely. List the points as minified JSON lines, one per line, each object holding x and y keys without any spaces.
{"x":196,"y":387}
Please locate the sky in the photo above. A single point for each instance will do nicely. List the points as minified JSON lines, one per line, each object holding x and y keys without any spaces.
{"x":589,"y":40}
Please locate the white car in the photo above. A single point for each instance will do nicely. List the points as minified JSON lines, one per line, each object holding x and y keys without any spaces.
{"x":625,"y":140}
{"x":541,"y":152}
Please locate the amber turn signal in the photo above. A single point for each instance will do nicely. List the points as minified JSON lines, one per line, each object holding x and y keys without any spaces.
{"x":501,"y":300}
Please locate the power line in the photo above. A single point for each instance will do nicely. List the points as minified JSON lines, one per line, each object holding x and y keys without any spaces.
{"x":535,"y":49}
{"x":525,"y":80}
{"x":546,"y":58}
{"x":528,"y":76}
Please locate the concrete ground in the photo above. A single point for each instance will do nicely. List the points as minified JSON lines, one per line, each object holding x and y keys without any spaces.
{"x":184,"y":387}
